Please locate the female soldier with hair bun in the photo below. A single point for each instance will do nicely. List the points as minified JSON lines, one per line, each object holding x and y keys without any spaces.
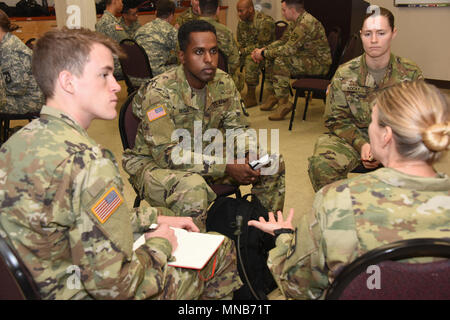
{"x":409,"y":132}
{"x":22,"y":92}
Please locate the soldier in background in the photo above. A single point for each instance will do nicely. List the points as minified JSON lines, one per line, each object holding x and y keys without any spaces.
{"x":209,"y":10}
{"x":303,"y":49}
{"x":61,"y":194}
{"x":173,"y":102}
{"x":21,"y":92}
{"x":129,"y":19}
{"x":255,"y":30}
{"x":348,"y":107}
{"x":159,"y":38}
{"x":407,"y":199}
{"x":191,"y":13}
{"x":110,"y":26}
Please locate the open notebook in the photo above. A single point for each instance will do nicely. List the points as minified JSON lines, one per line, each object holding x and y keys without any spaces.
{"x":194,"y":249}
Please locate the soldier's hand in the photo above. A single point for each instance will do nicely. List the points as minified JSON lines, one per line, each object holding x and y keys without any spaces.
{"x":273,"y":224}
{"x":242,"y":173}
{"x":179,"y":222}
{"x":164,"y":231}
{"x":367,"y":158}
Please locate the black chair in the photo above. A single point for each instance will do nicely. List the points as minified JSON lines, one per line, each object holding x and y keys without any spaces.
{"x":135,"y":64}
{"x":5,"y":118}
{"x":223,"y":62}
{"x":280,"y":28}
{"x":16,"y":282}
{"x":128,"y":126}
{"x":319,"y":84}
{"x":396,"y":280}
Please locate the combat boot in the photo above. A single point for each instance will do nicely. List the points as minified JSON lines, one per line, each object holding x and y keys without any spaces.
{"x":250,"y":97}
{"x":284,"y":107}
{"x":269,"y":103}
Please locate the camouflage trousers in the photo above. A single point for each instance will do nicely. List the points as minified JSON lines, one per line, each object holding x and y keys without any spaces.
{"x":332,"y":160}
{"x":217,"y":280}
{"x":252,"y":71}
{"x":281,"y":69}
{"x":190,"y":194}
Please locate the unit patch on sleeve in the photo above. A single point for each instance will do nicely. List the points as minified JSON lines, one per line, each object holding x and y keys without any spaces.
{"x":156,"y":113}
{"x":106,"y":206}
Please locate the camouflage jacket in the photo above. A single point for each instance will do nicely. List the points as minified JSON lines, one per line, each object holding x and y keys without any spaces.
{"x":109,"y":25}
{"x":306,"y":40}
{"x":348,"y":106}
{"x":228,"y":45}
{"x":159,"y":40}
{"x":22,"y":92}
{"x":168,"y":106}
{"x":54,"y":182}
{"x":186,"y":16}
{"x":353,"y":216}
{"x":130,"y":30}
{"x":255,"y":34}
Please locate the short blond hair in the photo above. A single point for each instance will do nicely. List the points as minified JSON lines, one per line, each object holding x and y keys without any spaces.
{"x":419,"y":117}
{"x":65,"y":49}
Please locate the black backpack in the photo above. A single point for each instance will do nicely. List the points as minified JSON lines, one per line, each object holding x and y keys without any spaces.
{"x":229,"y":216}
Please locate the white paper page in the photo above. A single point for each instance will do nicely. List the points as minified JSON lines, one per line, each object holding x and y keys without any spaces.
{"x":194,"y":249}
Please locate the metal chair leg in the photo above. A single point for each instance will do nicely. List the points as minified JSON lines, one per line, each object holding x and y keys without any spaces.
{"x":306,"y":105}
{"x":294,"y":106}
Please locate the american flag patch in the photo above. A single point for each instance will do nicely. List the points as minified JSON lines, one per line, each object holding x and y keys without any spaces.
{"x":105,"y":207}
{"x":156,"y":113}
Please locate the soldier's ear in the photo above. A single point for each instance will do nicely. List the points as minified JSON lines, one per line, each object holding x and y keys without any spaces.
{"x":65,"y":81}
{"x":181,"y":56}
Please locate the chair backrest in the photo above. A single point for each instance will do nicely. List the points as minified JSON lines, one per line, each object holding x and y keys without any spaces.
{"x":136,"y":63}
{"x":334,"y":40}
{"x":16,"y":282}
{"x":377,"y":274}
{"x":128,"y":123}
{"x":223,"y":62}
{"x":349,"y":52}
{"x":280,"y":28}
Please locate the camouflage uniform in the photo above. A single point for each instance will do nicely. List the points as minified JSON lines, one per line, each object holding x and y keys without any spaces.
{"x":303,"y":49}
{"x":130,"y":30}
{"x":22,"y":92}
{"x":251,"y":35}
{"x":54,"y":179}
{"x":186,"y":16}
{"x":228,"y":45}
{"x":348,"y":115}
{"x":354,"y":216}
{"x":152,"y":164}
{"x":110,"y":26}
{"x":159,"y":40}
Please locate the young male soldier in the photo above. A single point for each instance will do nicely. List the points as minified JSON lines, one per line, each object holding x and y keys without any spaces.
{"x":194,"y":99}
{"x":255,"y":30}
{"x":303,"y":49}
{"x":61,"y":195}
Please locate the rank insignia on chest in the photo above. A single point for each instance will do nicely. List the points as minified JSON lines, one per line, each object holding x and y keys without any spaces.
{"x":106,"y":206}
{"x":156,"y":113}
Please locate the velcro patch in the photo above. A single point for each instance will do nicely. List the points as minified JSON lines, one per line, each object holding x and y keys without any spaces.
{"x":106,"y":206}
{"x":156,"y":113}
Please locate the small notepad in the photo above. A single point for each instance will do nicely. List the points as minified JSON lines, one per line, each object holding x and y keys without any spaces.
{"x":194,"y":249}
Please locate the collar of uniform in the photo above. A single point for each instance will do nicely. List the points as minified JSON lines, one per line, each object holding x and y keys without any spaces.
{"x":48,"y":111}
{"x":300,"y":17}
{"x":186,"y":90}
{"x":110,"y":14}
{"x":6,"y":37}
{"x":365,"y":79}
{"x":440,"y":182}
